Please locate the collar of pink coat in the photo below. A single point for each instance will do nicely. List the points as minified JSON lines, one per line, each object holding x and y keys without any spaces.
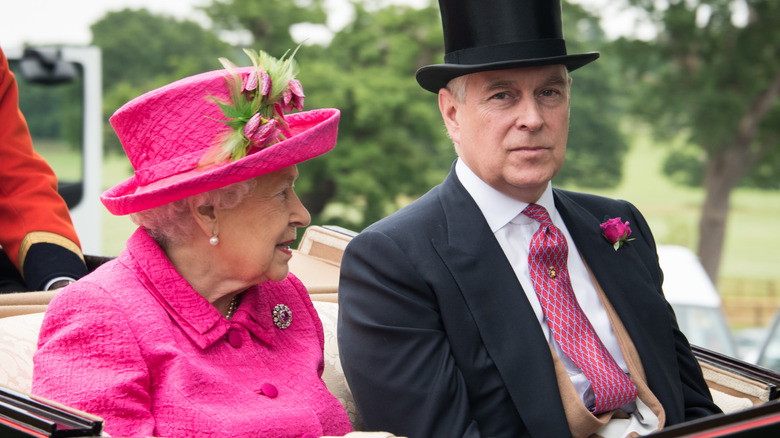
{"x":196,"y":317}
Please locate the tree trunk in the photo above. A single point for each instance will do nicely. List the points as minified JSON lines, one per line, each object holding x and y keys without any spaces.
{"x":720,"y":178}
{"x":722,"y":173}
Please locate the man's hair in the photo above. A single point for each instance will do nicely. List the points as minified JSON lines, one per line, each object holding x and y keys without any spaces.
{"x":457,"y":87}
{"x":172,"y":222}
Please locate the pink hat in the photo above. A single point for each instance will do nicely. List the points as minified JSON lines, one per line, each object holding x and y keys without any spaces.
{"x":171,"y":134}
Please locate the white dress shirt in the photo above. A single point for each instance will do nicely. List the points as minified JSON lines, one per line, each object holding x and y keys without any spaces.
{"x":514,"y":231}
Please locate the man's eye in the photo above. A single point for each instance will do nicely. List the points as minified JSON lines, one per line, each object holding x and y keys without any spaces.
{"x":500,"y":96}
{"x":549,"y":93}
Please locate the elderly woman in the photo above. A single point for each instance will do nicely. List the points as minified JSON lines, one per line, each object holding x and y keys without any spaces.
{"x":197,"y":328}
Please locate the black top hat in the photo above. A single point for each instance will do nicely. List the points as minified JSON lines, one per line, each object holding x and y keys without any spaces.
{"x":481,"y":35}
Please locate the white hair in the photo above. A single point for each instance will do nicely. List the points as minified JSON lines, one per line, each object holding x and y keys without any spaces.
{"x":172,"y":222}
{"x":457,"y":87}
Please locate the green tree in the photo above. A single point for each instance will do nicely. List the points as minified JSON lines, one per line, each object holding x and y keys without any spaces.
{"x":718,"y":82}
{"x":596,"y":147}
{"x":391,"y":148}
{"x":142,"y":51}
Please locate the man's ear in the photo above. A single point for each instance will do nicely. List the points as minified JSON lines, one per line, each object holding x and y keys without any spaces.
{"x":448,"y":106}
{"x":205,"y":216}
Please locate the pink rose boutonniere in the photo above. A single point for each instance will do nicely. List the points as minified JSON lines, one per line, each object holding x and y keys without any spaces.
{"x":616,"y":232}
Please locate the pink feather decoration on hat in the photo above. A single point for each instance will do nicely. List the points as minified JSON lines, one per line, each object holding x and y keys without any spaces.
{"x":258,"y":102}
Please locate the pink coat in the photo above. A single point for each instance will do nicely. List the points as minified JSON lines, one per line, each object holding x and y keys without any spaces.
{"x":134,"y":344}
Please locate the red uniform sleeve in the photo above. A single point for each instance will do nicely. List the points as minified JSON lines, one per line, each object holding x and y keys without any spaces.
{"x":31,"y":210}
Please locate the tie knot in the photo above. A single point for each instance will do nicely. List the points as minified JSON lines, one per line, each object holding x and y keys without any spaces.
{"x":537,"y":213}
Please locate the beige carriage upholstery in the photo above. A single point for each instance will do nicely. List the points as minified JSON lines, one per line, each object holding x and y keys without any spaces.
{"x":316,"y":263}
{"x":317,"y":260}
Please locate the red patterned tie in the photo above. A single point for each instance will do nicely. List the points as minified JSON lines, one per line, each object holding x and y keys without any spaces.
{"x":612,"y":388}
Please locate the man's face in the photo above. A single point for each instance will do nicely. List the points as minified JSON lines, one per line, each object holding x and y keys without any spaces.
{"x":511,"y":127}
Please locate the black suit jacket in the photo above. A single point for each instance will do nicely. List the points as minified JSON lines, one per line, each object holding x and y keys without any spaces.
{"x":437,"y":338}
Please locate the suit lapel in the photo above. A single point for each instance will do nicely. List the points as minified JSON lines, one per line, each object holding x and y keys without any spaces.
{"x":507,"y":324}
{"x":623,"y":276}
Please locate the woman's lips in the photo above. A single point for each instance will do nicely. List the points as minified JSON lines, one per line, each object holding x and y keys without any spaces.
{"x":285,"y":247}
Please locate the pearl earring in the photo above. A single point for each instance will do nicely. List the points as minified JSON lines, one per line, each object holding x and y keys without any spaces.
{"x":214,"y":240}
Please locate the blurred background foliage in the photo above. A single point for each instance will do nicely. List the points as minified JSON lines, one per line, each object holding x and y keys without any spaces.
{"x":392,"y":143}
{"x":707,"y":82}
{"x":712,"y":75}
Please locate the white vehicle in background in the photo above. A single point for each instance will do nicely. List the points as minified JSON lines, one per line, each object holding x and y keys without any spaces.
{"x":60,"y":94}
{"x":768,"y":355}
{"x":695,"y":300}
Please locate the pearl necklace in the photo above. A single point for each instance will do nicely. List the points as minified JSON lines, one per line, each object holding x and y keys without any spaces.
{"x":232,"y":308}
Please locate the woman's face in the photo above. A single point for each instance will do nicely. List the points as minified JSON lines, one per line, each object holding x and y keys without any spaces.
{"x":254,"y":236}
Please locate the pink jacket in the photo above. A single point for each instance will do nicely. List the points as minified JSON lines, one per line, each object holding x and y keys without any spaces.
{"x":134,"y":344}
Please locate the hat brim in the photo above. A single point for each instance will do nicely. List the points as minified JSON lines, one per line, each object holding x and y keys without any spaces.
{"x":435,"y":77}
{"x":314,"y":133}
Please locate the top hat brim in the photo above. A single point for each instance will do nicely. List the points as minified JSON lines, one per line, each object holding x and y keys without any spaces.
{"x":437,"y":76}
{"x":314,"y":133}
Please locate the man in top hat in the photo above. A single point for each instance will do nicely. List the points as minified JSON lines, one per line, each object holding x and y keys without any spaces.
{"x":496,"y":305}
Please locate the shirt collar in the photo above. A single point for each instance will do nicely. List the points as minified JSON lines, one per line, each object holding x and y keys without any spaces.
{"x":498,"y":208}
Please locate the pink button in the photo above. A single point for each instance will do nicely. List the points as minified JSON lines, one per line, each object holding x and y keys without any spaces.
{"x":269,"y":390}
{"x":234,"y":338}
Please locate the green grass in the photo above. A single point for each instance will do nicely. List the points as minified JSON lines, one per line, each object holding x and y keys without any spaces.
{"x":64,"y":160}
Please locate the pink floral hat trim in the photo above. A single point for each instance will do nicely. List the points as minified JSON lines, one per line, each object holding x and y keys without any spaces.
{"x":168,"y":132}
